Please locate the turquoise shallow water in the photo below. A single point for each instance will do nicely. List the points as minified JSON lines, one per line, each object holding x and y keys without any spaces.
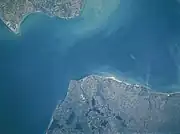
{"x":137,"y":41}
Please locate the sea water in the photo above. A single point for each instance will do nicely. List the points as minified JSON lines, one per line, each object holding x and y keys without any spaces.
{"x":132,"y":39}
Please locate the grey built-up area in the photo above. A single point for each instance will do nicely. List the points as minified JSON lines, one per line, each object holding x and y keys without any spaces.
{"x":13,"y":12}
{"x":102,"y":105}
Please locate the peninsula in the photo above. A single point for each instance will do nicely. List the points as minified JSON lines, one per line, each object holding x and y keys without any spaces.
{"x":103,"y":105}
{"x":13,"y":12}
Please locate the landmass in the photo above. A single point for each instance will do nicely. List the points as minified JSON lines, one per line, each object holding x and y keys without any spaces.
{"x":103,"y":105}
{"x":13,"y":12}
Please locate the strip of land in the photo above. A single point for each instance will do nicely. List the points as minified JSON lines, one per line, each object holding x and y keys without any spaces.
{"x":105,"y":105}
{"x":13,"y":12}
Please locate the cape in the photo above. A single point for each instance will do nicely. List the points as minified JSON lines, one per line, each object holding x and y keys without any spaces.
{"x":104,"y":105}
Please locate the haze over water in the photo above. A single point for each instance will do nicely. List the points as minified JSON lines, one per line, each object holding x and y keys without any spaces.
{"x":135,"y":39}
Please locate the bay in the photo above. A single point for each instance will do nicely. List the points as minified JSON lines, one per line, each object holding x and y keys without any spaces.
{"x":36,"y":67}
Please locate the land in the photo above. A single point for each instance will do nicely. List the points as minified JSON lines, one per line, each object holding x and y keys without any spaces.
{"x":13,"y":12}
{"x":104,"y":105}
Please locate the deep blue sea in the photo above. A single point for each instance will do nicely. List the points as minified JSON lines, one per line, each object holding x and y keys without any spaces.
{"x":139,"y":41}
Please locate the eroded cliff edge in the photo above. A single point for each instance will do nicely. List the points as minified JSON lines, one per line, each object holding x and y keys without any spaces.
{"x":12,"y":12}
{"x":103,"y":105}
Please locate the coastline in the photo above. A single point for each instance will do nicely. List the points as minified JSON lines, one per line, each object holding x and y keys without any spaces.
{"x":80,"y":93}
{"x":17,"y":30}
{"x":126,"y":82}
